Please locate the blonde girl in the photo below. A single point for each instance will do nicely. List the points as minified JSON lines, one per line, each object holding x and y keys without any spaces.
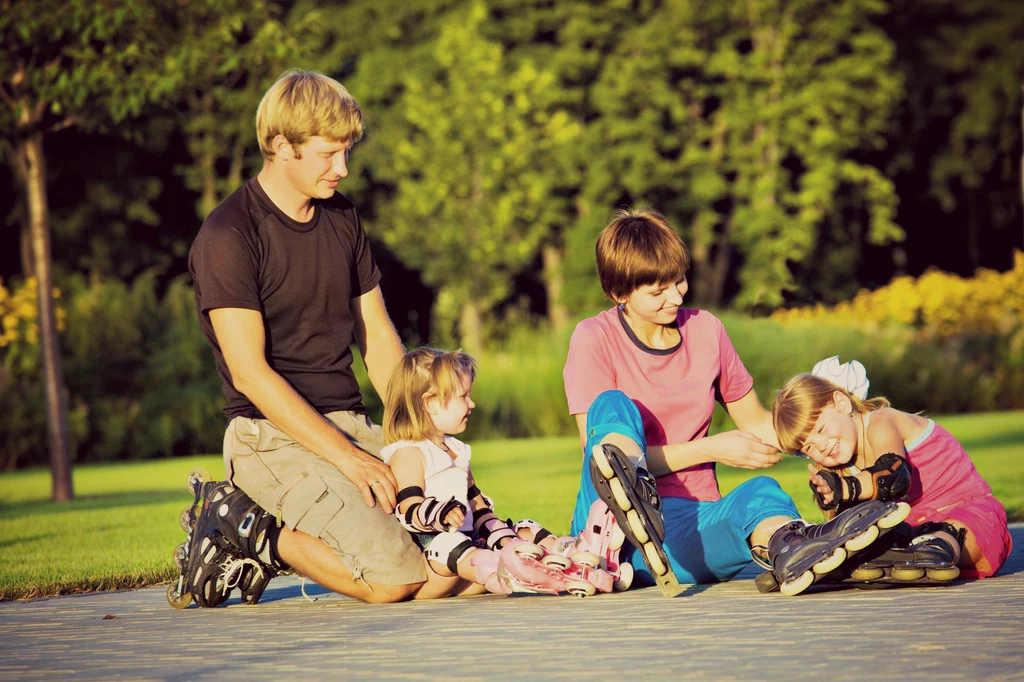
{"x":865,"y":450}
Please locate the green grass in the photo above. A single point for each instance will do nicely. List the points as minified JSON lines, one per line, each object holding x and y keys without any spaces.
{"x":122,"y":527}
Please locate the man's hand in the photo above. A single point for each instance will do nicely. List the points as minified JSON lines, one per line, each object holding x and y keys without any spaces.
{"x":743,"y":450}
{"x":373,"y":477}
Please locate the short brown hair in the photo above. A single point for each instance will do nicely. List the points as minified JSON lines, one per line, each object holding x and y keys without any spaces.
{"x":301,"y":104}
{"x":637,"y":248}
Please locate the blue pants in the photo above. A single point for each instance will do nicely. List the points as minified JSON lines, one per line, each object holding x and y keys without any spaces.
{"x":706,"y":542}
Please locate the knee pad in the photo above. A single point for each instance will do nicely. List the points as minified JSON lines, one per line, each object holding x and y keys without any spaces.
{"x":891,"y":475}
{"x":449,"y":549}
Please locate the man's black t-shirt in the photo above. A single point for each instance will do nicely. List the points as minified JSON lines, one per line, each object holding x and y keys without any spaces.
{"x":302,"y":277}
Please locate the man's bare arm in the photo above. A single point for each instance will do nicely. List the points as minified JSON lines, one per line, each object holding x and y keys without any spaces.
{"x":240,"y":335}
{"x":378,"y":341}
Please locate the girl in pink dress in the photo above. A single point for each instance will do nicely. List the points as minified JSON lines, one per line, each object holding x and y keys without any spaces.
{"x":865,"y":449}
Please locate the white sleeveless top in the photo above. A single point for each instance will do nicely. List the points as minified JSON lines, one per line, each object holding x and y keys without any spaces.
{"x":444,"y":478}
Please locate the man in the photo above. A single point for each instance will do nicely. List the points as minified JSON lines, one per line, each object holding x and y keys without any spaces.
{"x":284,"y":283}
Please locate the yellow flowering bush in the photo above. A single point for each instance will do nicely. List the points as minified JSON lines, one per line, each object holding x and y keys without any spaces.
{"x":19,"y":313}
{"x":936,"y":303}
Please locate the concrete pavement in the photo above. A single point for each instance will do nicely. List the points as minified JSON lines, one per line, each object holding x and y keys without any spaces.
{"x":969,"y":630}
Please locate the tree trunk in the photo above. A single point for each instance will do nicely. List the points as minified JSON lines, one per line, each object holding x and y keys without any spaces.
{"x":28,"y":268}
{"x":554,"y":280}
{"x":31,"y":159}
{"x":471,"y":326}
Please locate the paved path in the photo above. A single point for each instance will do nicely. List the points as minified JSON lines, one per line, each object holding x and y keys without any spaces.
{"x":970,"y":630}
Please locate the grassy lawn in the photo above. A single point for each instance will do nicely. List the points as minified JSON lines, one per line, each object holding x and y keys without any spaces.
{"x":123,"y":526}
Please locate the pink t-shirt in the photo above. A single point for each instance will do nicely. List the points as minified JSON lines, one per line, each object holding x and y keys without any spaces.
{"x":675,"y":389}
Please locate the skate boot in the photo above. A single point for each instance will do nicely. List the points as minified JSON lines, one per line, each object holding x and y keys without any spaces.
{"x":632,"y":495}
{"x":800,"y":554}
{"x":227,"y":546}
{"x":518,"y":569}
{"x":597,"y":546}
{"x":907,"y":556}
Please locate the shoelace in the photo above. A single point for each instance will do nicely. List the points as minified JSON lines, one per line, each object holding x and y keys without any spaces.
{"x":233,"y":572}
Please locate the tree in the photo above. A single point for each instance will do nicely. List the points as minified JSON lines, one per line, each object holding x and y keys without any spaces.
{"x":220,"y":96}
{"x":959,"y":133}
{"x":93,"y":66}
{"x":743,"y":122}
{"x":473,"y":165}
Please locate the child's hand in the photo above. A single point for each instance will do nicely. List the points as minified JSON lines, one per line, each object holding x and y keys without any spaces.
{"x":454,"y":518}
{"x":819,"y":485}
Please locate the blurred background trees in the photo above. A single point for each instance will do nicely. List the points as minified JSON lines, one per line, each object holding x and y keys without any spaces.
{"x":806,"y":150}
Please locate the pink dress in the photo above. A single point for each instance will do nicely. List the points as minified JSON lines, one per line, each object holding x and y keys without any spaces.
{"x":946,"y":486}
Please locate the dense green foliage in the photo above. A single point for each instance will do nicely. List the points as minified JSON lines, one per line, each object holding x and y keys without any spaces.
{"x":803,"y":149}
{"x":123,"y":528}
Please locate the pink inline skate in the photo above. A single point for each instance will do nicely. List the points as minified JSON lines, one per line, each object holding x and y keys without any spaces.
{"x":520,"y":568}
{"x":596,"y":548}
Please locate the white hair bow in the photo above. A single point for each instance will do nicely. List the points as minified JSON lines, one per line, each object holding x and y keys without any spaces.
{"x":848,"y":375}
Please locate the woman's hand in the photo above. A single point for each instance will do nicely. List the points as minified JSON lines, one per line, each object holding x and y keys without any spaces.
{"x":743,"y":450}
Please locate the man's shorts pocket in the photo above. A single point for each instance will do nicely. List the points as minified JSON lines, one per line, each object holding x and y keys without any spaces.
{"x":309,"y":505}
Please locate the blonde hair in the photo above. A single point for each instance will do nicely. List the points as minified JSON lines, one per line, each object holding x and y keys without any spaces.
{"x":798,"y":405}
{"x":637,"y":248}
{"x":420,"y":375}
{"x":301,"y":104}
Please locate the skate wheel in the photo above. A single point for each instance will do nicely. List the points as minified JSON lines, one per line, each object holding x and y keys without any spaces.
{"x":556,"y":561}
{"x":637,"y":526}
{"x":832,"y":563}
{"x":907,"y":574}
{"x":794,"y":587}
{"x":654,"y":561}
{"x":178,"y":601}
{"x":619,"y":494}
{"x":896,"y":516}
{"x":529,"y":550}
{"x":863,"y":540}
{"x":866,"y":574}
{"x":603,"y":465}
{"x":625,"y":579}
{"x":580,"y":588}
{"x":180,"y":554}
{"x":185,"y":519}
{"x":196,"y":478}
{"x":588,"y":559}
{"x":943,"y":575}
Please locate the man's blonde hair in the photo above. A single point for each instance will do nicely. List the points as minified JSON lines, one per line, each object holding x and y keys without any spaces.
{"x":301,"y":104}
{"x":420,"y":375}
{"x":637,"y":248}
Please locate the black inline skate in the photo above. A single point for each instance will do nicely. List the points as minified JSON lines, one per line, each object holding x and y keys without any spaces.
{"x":800,"y":553}
{"x":908,"y":556}
{"x":632,"y":495}
{"x":226,"y":546}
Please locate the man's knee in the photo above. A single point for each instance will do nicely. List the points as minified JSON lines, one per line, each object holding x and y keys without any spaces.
{"x":389,"y":594}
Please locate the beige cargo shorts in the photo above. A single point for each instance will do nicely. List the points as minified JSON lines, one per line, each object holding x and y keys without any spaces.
{"x":309,"y":494}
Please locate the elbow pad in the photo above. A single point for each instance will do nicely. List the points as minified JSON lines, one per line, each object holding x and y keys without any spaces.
{"x":891,"y":476}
